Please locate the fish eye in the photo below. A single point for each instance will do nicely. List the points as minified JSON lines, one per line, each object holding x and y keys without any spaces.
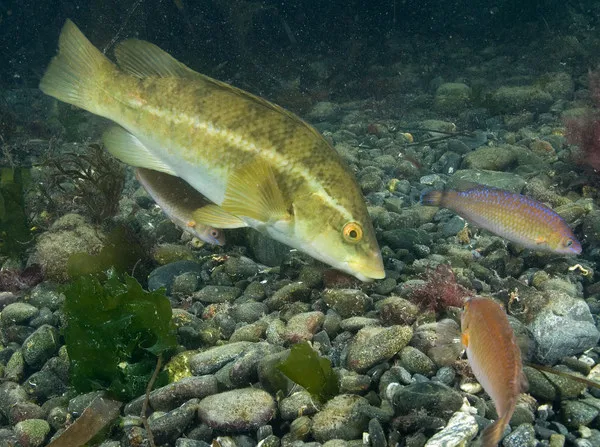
{"x":214,"y":233}
{"x":352,"y":232}
{"x":569,"y":242}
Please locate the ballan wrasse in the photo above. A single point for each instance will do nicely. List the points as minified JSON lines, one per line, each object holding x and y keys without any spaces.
{"x":179,"y":201}
{"x":513,"y":216}
{"x":495,"y":359}
{"x":260,"y":165}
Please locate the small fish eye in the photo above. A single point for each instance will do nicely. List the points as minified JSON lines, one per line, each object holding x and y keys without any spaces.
{"x":214,"y":233}
{"x":352,"y":232}
{"x":569,"y":242}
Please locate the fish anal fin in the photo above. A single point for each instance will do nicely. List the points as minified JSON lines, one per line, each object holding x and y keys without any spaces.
{"x":127,"y":148}
{"x":253,"y":192}
{"x":217,"y":217}
{"x":144,"y":59}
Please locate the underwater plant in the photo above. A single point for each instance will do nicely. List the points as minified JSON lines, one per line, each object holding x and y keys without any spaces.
{"x":115,"y":334}
{"x":15,"y":234}
{"x":440,"y":291}
{"x":305,"y":367}
{"x":91,"y":180}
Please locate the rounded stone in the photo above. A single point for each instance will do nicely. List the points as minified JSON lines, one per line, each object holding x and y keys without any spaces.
{"x":437,"y":399}
{"x":372,"y":345}
{"x":341,"y":418}
{"x":237,"y":410}
{"x":40,"y":346}
{"x":32,"y":432}
{"x":416,"y":362}
{"x":347,"y":302}
{"x":18,"y":313}
{"x":576,"y":413}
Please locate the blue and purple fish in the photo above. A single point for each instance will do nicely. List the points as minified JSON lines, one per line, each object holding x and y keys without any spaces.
{"x":510,"y":215}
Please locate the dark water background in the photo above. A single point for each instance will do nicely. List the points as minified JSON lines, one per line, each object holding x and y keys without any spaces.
{"x":227,"y":37}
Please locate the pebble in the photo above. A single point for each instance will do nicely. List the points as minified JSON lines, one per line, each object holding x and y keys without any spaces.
{"x":174,"y":394}
{"x":215,"y":358}
{"x":18,"y":314}
{"x":165,"y":275}
{"x":562,"y":328}
{"x":461,"y":428}
{"x":32,"y":432}
{"x":289,"y":293}
{"x":579,"y":412}
{"x":522,"y":436}
{"x":40,"y":346}
{"x":11,"y":393}
{"x":249,"y":311}
{"x":437,"y":399}
{"x":395,"y":310}
{"x":372,"y":345}
{"x":299,"y":403}
{"x":416,"y":362}
{"x":341,"y":418}
{"x":217,"y":294}
{"x":347,"y":302}
{"x":237,"y":410}
{"x":303,"y":326}
{"x":168,"y":427}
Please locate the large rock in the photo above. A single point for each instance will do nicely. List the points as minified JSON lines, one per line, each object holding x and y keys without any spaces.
{"x":341,"y":418}
{"x":563,"y":327}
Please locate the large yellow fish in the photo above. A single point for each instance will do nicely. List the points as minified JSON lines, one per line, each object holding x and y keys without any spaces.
{"x":261,"y":165}
{"x":495,"y":359}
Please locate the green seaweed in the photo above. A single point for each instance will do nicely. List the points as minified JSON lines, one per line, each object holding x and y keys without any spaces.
{"x":120,"y":252}
{"x":115,"y":331}
{"x":314,"y":373}
{"x":15,"y":234}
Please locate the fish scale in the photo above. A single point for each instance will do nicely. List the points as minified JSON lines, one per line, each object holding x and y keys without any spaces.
{"x":513,"y":216}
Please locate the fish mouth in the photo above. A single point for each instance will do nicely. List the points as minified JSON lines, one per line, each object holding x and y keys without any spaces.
{"x":368,"y":270}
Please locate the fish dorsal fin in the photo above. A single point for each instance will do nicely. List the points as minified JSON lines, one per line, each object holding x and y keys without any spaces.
{"x":144,"y":59}
{"x":127,"y":148}
{"x":215,"y":216}
{"x":252,"y":191}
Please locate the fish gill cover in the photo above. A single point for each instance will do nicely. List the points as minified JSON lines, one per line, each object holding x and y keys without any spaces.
{"x":115,"y":333}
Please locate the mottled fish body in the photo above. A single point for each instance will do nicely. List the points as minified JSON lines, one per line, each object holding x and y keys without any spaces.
{"x":495,"y":359}
{"x":260,"y":165}
{"x":513,"y":216}
{"x":179,"y":201}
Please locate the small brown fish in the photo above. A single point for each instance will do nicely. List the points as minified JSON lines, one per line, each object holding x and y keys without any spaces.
{"x":179,"y":201}
{"x":495,"y":359}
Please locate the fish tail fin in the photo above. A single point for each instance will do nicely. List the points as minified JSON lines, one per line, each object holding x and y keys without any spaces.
{"x":75,"y":74}
{"x":432,"y":198}
{"x":493,"y":433}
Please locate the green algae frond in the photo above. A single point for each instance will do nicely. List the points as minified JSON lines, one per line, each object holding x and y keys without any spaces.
{"x":115,"y":331}
{"x":312,"y":372}
{"x":15,"y":234}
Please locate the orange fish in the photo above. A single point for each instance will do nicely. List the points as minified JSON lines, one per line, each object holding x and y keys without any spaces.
{"x":495,"y":360}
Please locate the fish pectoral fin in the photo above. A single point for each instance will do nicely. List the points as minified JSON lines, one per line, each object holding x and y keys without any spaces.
{"x":464,"y":338}
{"x":540,"y":240}
{"x":252,"y":192}
{"x":215,"y":216}
{"x":127,"y":148}
{"x":144,"y":59}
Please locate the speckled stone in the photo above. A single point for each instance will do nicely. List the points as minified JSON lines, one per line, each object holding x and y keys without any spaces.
{"x":461,"y":429}
{"x":341,"y":418}
{"x":372,"y":345}
{"x":237,"y":410}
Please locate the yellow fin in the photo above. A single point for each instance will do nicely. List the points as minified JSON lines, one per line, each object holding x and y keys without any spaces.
{"x":75,"y":73}
{"x":217,"y":217}
{"x":127,"y":148}
{"x":144,"y":59}
{"x":253,"y":192}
